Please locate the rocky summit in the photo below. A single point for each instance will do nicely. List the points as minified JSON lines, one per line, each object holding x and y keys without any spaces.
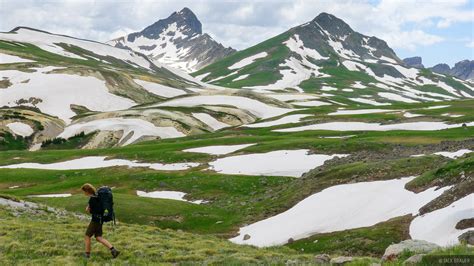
{"x":177,"y":41}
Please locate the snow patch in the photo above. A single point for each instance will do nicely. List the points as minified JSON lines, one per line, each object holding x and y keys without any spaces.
{"x":248,"y":60}
{"x":136,"y":127}
{"x":159,"y":89}
{"x":292,"y":163}
{"x":9,"y":59}
{"x":219,"y":149}
{"x":255,"y":107}
{"x":453,"y":155}
{"x":362,"y":126}
{"x":338,"y":208}
{"x":173,"y":195}
{"x":21,"y":129}
{"x":94,"y":162}
{"x":439,"y":226}
{"x":284,"y":120}
{"x":210,"y":121}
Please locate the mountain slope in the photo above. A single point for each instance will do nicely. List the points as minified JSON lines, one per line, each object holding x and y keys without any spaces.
{"x":463,"y":69}
{"x":177,"y":41}
{"x":53,"y":83}
{"x":326,"y":56}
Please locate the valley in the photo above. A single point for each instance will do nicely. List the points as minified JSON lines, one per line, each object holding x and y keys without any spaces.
{"x":319,"y":140}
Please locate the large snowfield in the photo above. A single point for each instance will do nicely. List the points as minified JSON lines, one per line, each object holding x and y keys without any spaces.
{"x":132,"y":128}
{"x":338,"y":208}
{"x":439,"y":226}
{"x":292,"y":163}
{"x":255,"y":107}
{"x":57,"y":92}
{"x":93,"y":162}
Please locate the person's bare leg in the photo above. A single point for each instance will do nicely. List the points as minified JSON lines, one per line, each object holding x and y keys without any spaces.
{"x":104,"y":242}
{"x":87,"y":241}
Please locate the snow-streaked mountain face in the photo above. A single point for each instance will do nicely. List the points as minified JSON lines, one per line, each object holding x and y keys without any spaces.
{"x":327,"y":56}
{"x":177,"y":41}
{"x":59,"y":86}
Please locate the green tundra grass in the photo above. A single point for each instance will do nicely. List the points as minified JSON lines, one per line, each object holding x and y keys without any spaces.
{"x":235,"y":200}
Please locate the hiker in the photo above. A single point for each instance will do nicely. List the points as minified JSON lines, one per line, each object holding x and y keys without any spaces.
{"x":95,"y":208}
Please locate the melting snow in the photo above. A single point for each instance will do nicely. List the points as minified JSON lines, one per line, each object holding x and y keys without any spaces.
{"x":284,"y":120}
{"x":410,"y":115}
{"x":20,"y":129}
{"x":439,"y":226}
{"x":136,"y":127}
{"x":396,"y":97}
{"x":362,"y":126}
{"x":367,"y":101}
{"x":292,"y":163}
{"x":9,"y":59}
{"x":241,"y":77}
{"x":255,"y":107}
{"x":219,"y":149}
{"x":58,"y":91}
{"x":291,"y":97}
{"x":210,"y":121}
{"x":310,"y":103}
{"x":359,"y":111}
{"x":159,"y":89}
{"x":247,"y":61}
{"x":436,"y":107}
{"x":48,"y":42}
{"x":338,"y":208}
{"x":453,"y":155}
{"x":51,"y":196}
{"x":173,"y":195}
{"x":93,"y":162}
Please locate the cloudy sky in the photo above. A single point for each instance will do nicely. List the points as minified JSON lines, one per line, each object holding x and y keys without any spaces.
{"x":437,"y":30}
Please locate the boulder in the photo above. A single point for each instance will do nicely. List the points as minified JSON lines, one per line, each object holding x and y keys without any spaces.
{"x":467,"y":237}
{"x":415,"y":259}
{"x":341,"y":260}
{"x":415,"y":246}
{"x":246,"y":237}
{"x":322,"y":258}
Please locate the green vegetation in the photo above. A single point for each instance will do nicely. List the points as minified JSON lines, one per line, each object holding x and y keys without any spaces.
{"x":10,"y":142}
{"x":74,"y":142}
{"x":48,"y":239}
{"x":369,"y":241}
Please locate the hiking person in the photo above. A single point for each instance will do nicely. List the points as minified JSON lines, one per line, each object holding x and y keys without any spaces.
{"x":96,"y":209}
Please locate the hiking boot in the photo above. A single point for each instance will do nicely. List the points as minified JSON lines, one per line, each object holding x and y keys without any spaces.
{"x":87,"y":255}
{"x":114,"y":253}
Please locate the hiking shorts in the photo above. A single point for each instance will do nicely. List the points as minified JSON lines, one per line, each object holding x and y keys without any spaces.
{"x":94,"y":229}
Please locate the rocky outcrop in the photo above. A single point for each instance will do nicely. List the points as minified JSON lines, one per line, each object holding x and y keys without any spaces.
{"x":414,"y":246}
{"x":341,"y":260}
{"x":415,"y":61}
{"x":177,"y":41}
{"x":467,"y":237}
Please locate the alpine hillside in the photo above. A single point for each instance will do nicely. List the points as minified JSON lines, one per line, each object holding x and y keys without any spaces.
{"x":54,"y":87}
{"x":177,"y":41}
{"x":326,"y":56}
{"x":317,"y":146}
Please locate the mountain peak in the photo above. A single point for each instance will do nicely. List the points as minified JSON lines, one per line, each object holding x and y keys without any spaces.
{"x":177,"y":40}
{"x":332,"y":24}
{"x":185,"y":20}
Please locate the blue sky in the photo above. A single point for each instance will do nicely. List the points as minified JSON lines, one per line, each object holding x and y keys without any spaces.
{"x":437,"y":30}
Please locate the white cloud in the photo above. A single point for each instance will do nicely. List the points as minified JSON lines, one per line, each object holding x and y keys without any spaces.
{"x":402,"y":23}
{"x":470,"y":44}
